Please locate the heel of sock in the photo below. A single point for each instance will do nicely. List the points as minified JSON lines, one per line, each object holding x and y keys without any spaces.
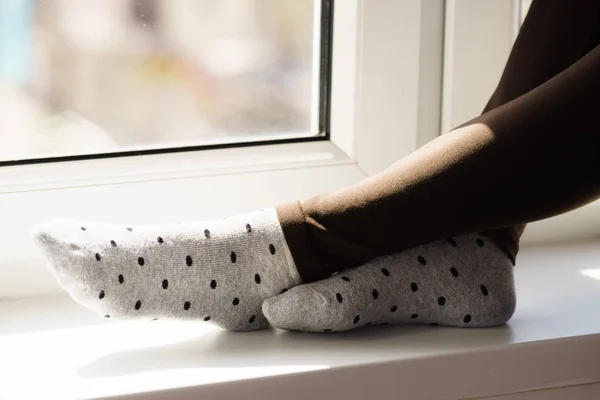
{"x":498,"y":288}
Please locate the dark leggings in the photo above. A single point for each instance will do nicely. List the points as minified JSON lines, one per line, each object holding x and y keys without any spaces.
{"x":533,"y":154}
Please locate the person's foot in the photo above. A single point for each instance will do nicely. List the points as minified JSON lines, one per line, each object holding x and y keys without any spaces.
{"x":218,"y":271}
{"x":465,"y":281}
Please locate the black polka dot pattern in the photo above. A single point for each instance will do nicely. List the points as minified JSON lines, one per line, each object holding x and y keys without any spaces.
{"x":484,"y":290}
{"x":83,"y":228}
{"x":447,"y":284}
{"x":423,"y":301}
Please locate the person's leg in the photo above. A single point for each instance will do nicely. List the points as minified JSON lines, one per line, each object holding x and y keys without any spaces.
{"x":532,"y":158}
{"x":218,"y":271}
{"x":466,"y":281}
{"x":554,"y":35}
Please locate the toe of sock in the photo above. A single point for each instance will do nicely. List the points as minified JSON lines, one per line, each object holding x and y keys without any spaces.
{"x":300,"y":308}
{"x":61,"y":255}
{"x":49,"y":235}
{"x":42,"y":235}
{"x":48,"y":242}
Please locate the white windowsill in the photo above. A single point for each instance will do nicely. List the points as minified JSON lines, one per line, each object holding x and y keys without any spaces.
{"x":53,"y":349}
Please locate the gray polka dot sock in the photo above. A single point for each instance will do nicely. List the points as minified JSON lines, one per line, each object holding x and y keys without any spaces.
{"x":218,"y":271}
{"x":465,"y":281}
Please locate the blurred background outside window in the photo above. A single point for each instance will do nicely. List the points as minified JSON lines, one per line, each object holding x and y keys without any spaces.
{"x":100,"y":76}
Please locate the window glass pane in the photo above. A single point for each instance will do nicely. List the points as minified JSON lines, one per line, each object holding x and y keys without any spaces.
{"x":101,"y":76}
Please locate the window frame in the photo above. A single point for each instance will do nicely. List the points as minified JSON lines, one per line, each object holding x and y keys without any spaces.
{"x":387,"y":99}
{"x":385,"y":102}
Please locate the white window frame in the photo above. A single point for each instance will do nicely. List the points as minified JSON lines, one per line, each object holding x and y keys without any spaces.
{"x":385,"y":102}
{"x":403,"y":71}
{"x":478,"y":36}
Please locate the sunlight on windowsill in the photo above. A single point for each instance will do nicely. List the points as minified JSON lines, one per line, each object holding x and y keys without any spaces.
{"x":82,"y":358}
{"x":592,"y":273}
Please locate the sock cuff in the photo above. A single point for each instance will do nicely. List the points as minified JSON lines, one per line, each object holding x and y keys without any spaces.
{"x":272,"y":219}
{"x":297,"y":236}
